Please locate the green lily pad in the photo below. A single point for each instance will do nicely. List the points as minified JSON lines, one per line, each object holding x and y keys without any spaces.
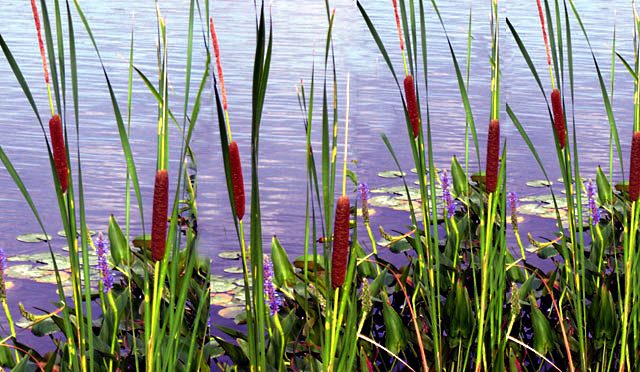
{"x":391,"y":174}
{"x":219,"y":286}
{"x":50,"y":277}
{"x":24,"y":271}
{"x":233,"y":270}
{"x":230,"y":312}
{"x":229,"y":255}
{"x":33,"y":238}
{"x":239,"y":282}
{"x":384,"y":201}
{"x":532,"y":209}
{"x":539,"y":183}
{"x":63,"y":233}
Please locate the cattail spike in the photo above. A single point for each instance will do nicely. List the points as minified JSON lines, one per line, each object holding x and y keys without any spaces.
{"x":493,"y":155}
{"x":36,"y":19}
{"x":236,"y":178}
{"x":544,"y":33}
{"x":395,"y":11}
{"x":216,"y":51}
{"x":59,"y":152}
{"x":634,"y":170}
{"x":159,"y":217}
{"x":558,"y":117}
{"x":412,"y":104}
{"x":340,"y":255}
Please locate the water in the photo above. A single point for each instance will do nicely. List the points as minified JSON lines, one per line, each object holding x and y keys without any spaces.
{"x":299,"y":35}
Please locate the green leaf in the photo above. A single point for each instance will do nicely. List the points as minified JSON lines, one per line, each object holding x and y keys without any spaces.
{"x":460,"y":183}
{"x":396,"y":337}
{"x":605,"y":195}
{"x":33,"y":238}
{"x":391,"y":174}
{"x":120,"y":251}
{"x":282,"y":269}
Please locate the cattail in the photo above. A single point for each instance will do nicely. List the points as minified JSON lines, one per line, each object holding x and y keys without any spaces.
{"x":395,"y":11}
{"x":340,"y":253}
{"x":159,"y":217}
{"x":236,"y":178}
{"x":558,"y":117}
{"x":634,"y":170}
{"x":412,"y":104}
{"x":544,"y":33}
{"x":59,"y":152}
{"x":493,"y":154}
{"x":216,"y":51}
{"x":36,"y":19}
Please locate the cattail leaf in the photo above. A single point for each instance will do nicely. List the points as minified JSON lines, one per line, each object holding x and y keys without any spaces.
{"x":605,"y":196}
{"x":460,"y":183}
{"x":120,"y":251}
{"x":282,"y":268}
{"x":396,"y":334}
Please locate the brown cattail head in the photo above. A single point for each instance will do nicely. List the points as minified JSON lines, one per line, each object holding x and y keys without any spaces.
{"x":558,"y":117}
{"x":395,"y":11}
{"x":634,"y":170}
{"x":59,"y":152}
{"x":159,"y":217}
{"x":412,"y":104}
{"x":36,"y":19}
{"x":236,"y":178}
{"x":340,"y":255}
{"x":216,"y":51}
{"x":493,"y":154}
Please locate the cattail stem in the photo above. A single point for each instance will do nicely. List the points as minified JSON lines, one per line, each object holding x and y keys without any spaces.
{"x":236,"y":179}
{"x":634,"y":168}
{"x":412,"y":104}
{"x":493,"y":154}
{"x":159,"y":218}
{"x":340,"y":254}
{"x":558,"y":117}
{"x":59,"y":151}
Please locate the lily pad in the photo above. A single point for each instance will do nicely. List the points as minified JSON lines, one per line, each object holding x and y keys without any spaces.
{"x":63,"y":233}
{"x":229,"y":255}
{"x":532,"y":209}
{"x":219,"y":286}
{"x":391,"y":174}
{"x":22,"y":271}
{"x":539,"y":183}
{"x":230,"y":312}
{"x":233,"y":270}
{"x":33,"y":238}
{"x":50,"y":277}
{"x":220,"y":299}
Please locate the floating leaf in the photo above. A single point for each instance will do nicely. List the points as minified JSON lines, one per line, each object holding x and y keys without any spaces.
{"x":230,"y":312}
{"x":391,"y":174}
{"x":233,"y":270}
{"x":220,"y":299}
{"x":33,"y":238}
{"x":229,"y":255}
{"x":222,"y":285}
{"x":50,"y":277}
{"x":539,"y":183}
{"x":63,"y":233}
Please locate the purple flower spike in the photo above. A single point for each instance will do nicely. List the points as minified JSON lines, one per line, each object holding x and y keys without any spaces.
{"x":363,"y":191}
{"x":271,"y":297}
{"x":447,"y":199}
{"x":593,"y":207}
{"x":103,"y":266}
{"x":514,"y":203}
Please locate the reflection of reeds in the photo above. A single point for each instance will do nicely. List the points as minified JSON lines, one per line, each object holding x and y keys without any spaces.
{"x":412,"y":104}
{"x":493,"y":154}
{"x":340,"y":253}
{"x":236,"y":178}
{"x":159,"y":218}
{"x":634,"y":170}
{"x":558,"y":117}
{"x":59,"y":153}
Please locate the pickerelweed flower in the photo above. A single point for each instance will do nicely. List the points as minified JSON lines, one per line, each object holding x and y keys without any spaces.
{"x":106,"y":276}
{"x":514,"y":203}
{"x":593,"y":207}
{"x":271,"y":298}
{"x":3,"y":267}
{"x":340,"y":254}
{"x":493,"y":156}
{"x":447,"y":199}
{"x":363,"y":191}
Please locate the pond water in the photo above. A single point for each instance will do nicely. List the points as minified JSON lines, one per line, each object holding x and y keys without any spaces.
{"x":299,"y":29}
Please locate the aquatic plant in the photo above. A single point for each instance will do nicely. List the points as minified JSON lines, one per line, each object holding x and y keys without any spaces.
{"x":340,"y":253}
{"x":236,"y":178}
{"x":493,"y":154}
{"x":159,"y":221}
{"x":59,"y":151}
